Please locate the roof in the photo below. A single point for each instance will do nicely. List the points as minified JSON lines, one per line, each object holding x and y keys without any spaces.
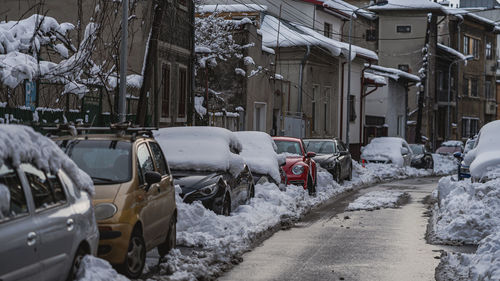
{"x":239,"y":8}
{"x":392,"y":73}
{"x":296,"y":35}
{"x":451,"y":51}
{"x":374,"y":79}
{"x":409,"y":5}
{"x":347,"y":8}
{"x":469,"y":14}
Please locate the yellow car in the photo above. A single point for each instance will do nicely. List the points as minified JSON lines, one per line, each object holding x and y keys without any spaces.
{"x":135,"y":197}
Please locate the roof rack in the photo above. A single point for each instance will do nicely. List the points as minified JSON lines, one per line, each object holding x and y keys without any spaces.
{"x":119,"y":128}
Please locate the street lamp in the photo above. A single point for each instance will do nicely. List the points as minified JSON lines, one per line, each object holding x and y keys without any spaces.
{"x":467,"y":58}
{"x":379,"y":3}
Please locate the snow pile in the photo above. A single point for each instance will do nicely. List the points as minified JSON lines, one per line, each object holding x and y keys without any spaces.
{"x":201,"y":149}
{"x":259,"y":152}
{"x":21,"y":144}
{"x":484,"y":159}
{"x":444,"y":164}
{"x":384,"y":149}
{"x":96,"y":269}
{"x":378,"y":199}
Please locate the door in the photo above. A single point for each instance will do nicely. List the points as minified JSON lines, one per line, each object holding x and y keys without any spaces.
{"x":167,"y":192}
{"x":54,"y":215}
{"x":18,"y":231}
{"x":150,"y":215}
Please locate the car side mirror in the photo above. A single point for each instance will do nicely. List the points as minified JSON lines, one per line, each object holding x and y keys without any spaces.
{"x":343,"y":153}
{"x":152,"y":178}
{"x":310,"y":154}
{"x":458,"y":155}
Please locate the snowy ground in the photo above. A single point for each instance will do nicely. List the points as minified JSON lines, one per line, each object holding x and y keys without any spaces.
{"x":468,"y":213}
{"x":209,"y":244}
{"x":379,"y":199}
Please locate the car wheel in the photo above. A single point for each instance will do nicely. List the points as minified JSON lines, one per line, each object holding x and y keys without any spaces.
{"x":310,"y":186}
{"x":169,"y":244}
{"x":136,"y":256}
{"x":77,"y":261}
{"x":349,"y":176}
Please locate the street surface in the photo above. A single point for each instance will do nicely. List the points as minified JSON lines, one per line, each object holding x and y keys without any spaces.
{"x":330,"y":244}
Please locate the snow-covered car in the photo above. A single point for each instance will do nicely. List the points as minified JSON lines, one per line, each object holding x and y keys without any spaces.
{"x":135,"y":197}
{"x":207,"y":165}
{"x":300,"y":168}
{"x":469,"y":144}
{"x":47,"y":223}
{"x":333,"y":156}
{"x":484,"y":159}
{"x":421,"y":159}
{"x":387,"y":150}
{"x":450,"y":147}
{"x":259,"y":152}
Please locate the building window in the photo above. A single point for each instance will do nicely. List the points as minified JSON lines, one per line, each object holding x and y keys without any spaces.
{"x":371,"y":35}
{"x":403,"y":28}
{"x":404,"y":67}
{"x":181,"y":112}
{"x":165,"y":101}
{"x":327,"y":30}
{"x":469,"y":127}
{"x":259,"y":120}
{"x":474,"y":87}
{"x":487,"y":90}
{"x":471,"y":46}
{"x":352,"y":113}
{"x":488,"y":51}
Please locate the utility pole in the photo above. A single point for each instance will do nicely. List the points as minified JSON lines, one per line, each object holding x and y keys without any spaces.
{"x":122,"y":98}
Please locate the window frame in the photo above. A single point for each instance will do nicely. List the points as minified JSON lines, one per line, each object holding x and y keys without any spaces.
{"x":140,"y":169}
{"x":327,"y":29}
{"x":165,"y":163}
{"x":27,"y":195}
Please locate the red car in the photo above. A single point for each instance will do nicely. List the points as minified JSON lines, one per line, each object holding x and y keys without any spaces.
{"x":300,"y":168}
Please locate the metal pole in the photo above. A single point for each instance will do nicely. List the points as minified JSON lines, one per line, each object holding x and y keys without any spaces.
{"x":348,"y":111}
{"x":123,"y":65}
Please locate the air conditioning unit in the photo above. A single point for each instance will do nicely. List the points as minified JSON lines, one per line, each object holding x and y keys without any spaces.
{"x":491,"y":108}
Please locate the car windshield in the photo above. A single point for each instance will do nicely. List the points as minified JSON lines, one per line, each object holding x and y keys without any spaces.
{"x":417,"y":149}
{"x":105,"y":161}
{"x":288,"y":147}
{"x":321,"y":147}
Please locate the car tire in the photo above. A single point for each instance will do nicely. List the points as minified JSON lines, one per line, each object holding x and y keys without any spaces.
{"x":349,"y":176}
{"x":136,"y":256}
{"x":310,"y":186}
{"x":77,"y":260}
{"x":338,"y":175}
{"x":170,"y":241}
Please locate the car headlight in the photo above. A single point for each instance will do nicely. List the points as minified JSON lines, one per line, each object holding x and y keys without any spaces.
{"x":104,"y":211}
{"x":208,"y":190}
{"x":298,"y":169}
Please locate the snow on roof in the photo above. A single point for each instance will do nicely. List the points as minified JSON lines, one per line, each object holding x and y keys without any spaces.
{"x":451,"y":51}
{"x":240,"y":8}
{"x":392,"y":73}
{"x":259,"y":153}
{"x":21,"y":144}
{"x":293,"y":35}
{"x":424,"y":5}
{"x":201,"y":149}
{"x":377,"y":79}
{"x":469,"y":13}
{"x":348,"y":8}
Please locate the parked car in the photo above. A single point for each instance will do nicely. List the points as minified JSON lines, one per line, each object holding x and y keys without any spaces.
{"x":135,"y":197}
{"x":387,"y":150}
{"x":300,"y":168}
{"x":259,"y":153}
{"x":469,"y":144}
{"x":47,"y":222}
{"x":332,"y":155}
{"x":421,"y":159}
{"x":463,"y":171}
{"x":484,"y":158}
{"x":450,"y":147}
{"x":207,"y":165}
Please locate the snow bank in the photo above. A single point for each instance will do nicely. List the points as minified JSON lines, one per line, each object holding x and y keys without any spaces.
{"x":378,"y":199}
{"x":444,"y":164}
{"x":22,"y":144}
{"x":259,"y":152}
{"x":201,"y":149}
{"x":96,"y":269}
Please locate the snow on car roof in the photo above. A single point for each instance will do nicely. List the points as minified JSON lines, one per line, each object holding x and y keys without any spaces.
{"x":452,"y":143}
{"x":486,"y":154}
{"x":384,"y":147}
{"x":259,"y":152}
{"x":201,"y":149}
{"x":21,"y":144}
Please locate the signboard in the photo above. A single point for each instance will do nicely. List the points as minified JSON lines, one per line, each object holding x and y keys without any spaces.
{"x":30,"y":93}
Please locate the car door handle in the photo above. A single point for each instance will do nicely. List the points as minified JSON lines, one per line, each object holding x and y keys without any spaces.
{"x":70,"y":224}
{"x":31,"y":240}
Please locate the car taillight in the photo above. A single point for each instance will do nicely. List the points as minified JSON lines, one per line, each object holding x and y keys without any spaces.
{"x":363,"y":162}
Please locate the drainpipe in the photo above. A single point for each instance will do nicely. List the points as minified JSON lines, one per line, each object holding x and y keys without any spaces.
{"x":342,"y":100}
{"x":301,"y":76}
{"x":361,"y":96}
{"x":455,"y":84}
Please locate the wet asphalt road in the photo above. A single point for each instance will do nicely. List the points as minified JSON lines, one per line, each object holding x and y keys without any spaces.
{"x":386,"y":244}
